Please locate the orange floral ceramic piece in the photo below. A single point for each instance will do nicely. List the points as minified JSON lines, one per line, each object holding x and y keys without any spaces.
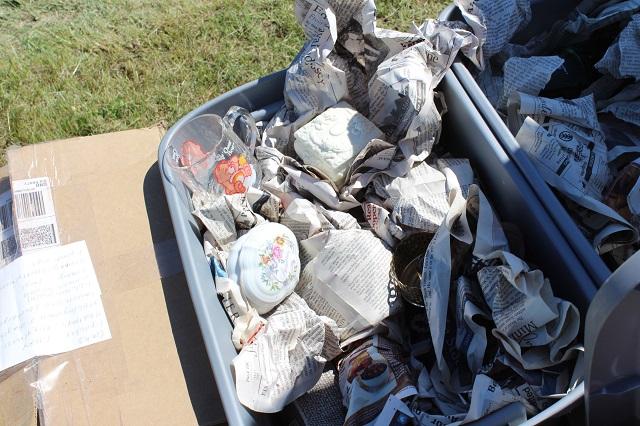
{"x":190,"y":153}
{"x":232,"y":173}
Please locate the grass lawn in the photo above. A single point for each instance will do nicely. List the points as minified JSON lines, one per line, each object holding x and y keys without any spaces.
{"x":81,"y":67}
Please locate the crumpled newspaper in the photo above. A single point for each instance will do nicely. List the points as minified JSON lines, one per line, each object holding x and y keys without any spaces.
{"x":527,"y":75}
{"x":389,"y":76}
{"x":621,"y":59}
{"x":504,"y":311}
{"x":417,"y":201}
{"x":347,"y":279}
{"x":625,"y":105}
{"x":494,"y":22}
{"x":578,"y":27}
{"x":344,"y":294}
{"x":567,"y":60}
{"x":285,"y":358}
{"x":564,"y":140}
{"x":528,"y":67}
{"x":306,"y":219}
{"x":486,"y":396}
{"x":346,"y":57}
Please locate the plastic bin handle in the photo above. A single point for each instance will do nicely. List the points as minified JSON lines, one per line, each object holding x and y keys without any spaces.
{"x":250,"y":134}
{"x":612,"y":351}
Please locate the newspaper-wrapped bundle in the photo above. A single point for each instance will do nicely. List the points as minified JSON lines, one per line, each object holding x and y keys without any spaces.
{"x":307,"y":219}
{"x":448,"y":38}
{"x":417,"y":201}
{"x":333,"y":66}
{"x":286,"y":358}
{"x":312,"y":82}
{"x":217,"y":218}
{"x":389,"y":76}
{"x":348,"y":280}
{"x":401,"y":90}
{"x":401,"y":100}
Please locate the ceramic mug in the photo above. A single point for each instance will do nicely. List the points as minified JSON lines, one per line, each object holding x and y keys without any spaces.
{"x":209,"y":157}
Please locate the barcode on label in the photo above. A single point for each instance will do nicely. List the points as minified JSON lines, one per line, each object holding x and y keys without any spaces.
{"x":6,"y":221}
{"x":35,"y":217}
{"x":37,"y":236}
{"x":30,"y":205}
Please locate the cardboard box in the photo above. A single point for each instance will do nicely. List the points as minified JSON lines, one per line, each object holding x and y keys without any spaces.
{"x":107,"y":191}
{"x":17,"y":397}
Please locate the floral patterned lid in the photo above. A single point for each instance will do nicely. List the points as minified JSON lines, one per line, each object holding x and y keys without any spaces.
{"x":266,"y":265}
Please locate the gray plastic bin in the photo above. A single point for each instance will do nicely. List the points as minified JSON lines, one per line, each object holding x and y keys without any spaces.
{"x":544,"y":14}
{"x":465,"y":134}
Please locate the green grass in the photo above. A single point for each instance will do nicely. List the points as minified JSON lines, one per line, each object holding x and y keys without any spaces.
{"x":81,"y":67}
